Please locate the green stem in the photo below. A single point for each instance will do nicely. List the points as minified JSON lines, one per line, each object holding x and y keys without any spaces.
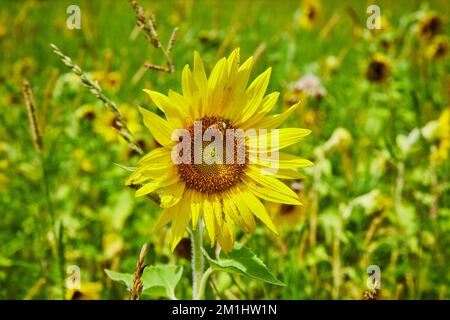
{"x":202,"y":287}
{"x":57,"y":229}
{"x":400,"y":183}
{"x":197,"y":261}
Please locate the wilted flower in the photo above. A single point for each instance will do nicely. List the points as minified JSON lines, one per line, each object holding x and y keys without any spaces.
{"x":341,"y":139}
{"x":331,"y":64}
{"x":371,"y":202}
{"x":184,"y":248}
{"x":66,"y":83}
{"x":311,"y":85}
{"x":435,"y":130}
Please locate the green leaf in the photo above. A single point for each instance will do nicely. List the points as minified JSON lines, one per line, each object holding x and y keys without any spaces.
{"x":161,"y":280}
{"x":157,"y":281}
{"x":126,"y":278}
{"x":126,"y":168}
{"x":243,"y":261}
{"x":120,"y":211}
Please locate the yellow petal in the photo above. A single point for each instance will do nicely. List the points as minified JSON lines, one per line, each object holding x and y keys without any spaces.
{"x":275,"y":121}
{"x":216,"y":86}
{"x":269,"y":188}
{"x":288,"y":174}
{"x":182,"y":103}
{"x":284,"y":161}
{"x":165,"y":217}
{"x":218,"y":74}
{"x":167,"y":180}
{"x":149,"y":172}
{"x":210,"y":221}
{"x":187,"y":82}
{"x":199,"y":76}
{"x":276,"y":139}
{"x":269,"y":102}
{"x":196,"y":208}
{"x":237,"y":93}
{"x":226,"y":236}
{"x":266,"y":105}
{"x":159,"y":128}
{"x":255,"y":94}
{"x":271,"y":196}
{"x":148,"y":188}
{"x":172,"y":194}
{"x":180,"y":222}
{"x":244,"y":212}
{"x":173,"y":114}
{"x":257,"y":208}
{"x":158,"y":155}
{"x":233,"y":63}
{"x":137,"y":175}
{"x":218,"y":215}
{"x":230,"y":210}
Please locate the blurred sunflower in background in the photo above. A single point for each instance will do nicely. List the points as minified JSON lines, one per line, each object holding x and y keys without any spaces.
{"x":378,"y":68}
{"x":105,"y":121}
{"x":86,"y":291}
{"x":310,"y":13}
{"x":4,"y":164}
{"x":288,"y":215}
{"x":438,"y":49}
{"x":311,"y":86}
{"x":2,"y":31}
{"x":430,"y":26}
{"x":110,"y":81}
{"x":441,"y":152}
{"x":222,"y":194}
{"x":87,"y":112}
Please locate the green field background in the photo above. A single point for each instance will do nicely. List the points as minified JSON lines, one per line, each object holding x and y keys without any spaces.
{"x":370,"y":200}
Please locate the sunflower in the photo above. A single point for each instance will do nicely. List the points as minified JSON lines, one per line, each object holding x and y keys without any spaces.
{"x":110,"y":81}
{"x":311,"y":11}
{"x":87,"y":291}
{"x":106,"y":123}
{"x":378,"y":69}
{"x":438,"y":49}
{"x":441,"y":153}
{"x":430,"y":26}
{"x":223,"y":194}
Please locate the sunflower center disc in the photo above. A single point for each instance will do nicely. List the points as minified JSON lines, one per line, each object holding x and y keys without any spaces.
{"x":218,"y":176}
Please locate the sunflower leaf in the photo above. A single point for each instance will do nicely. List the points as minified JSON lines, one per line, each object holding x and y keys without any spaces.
{"x":157,"y":281}
{"x":126,"y":168}
{"x":243,"y":261}
{"x":161,"y":281}
{"x":125,"y":278}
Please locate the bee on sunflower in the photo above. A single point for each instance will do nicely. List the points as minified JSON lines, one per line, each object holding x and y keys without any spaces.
{"x":222,"y":188}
